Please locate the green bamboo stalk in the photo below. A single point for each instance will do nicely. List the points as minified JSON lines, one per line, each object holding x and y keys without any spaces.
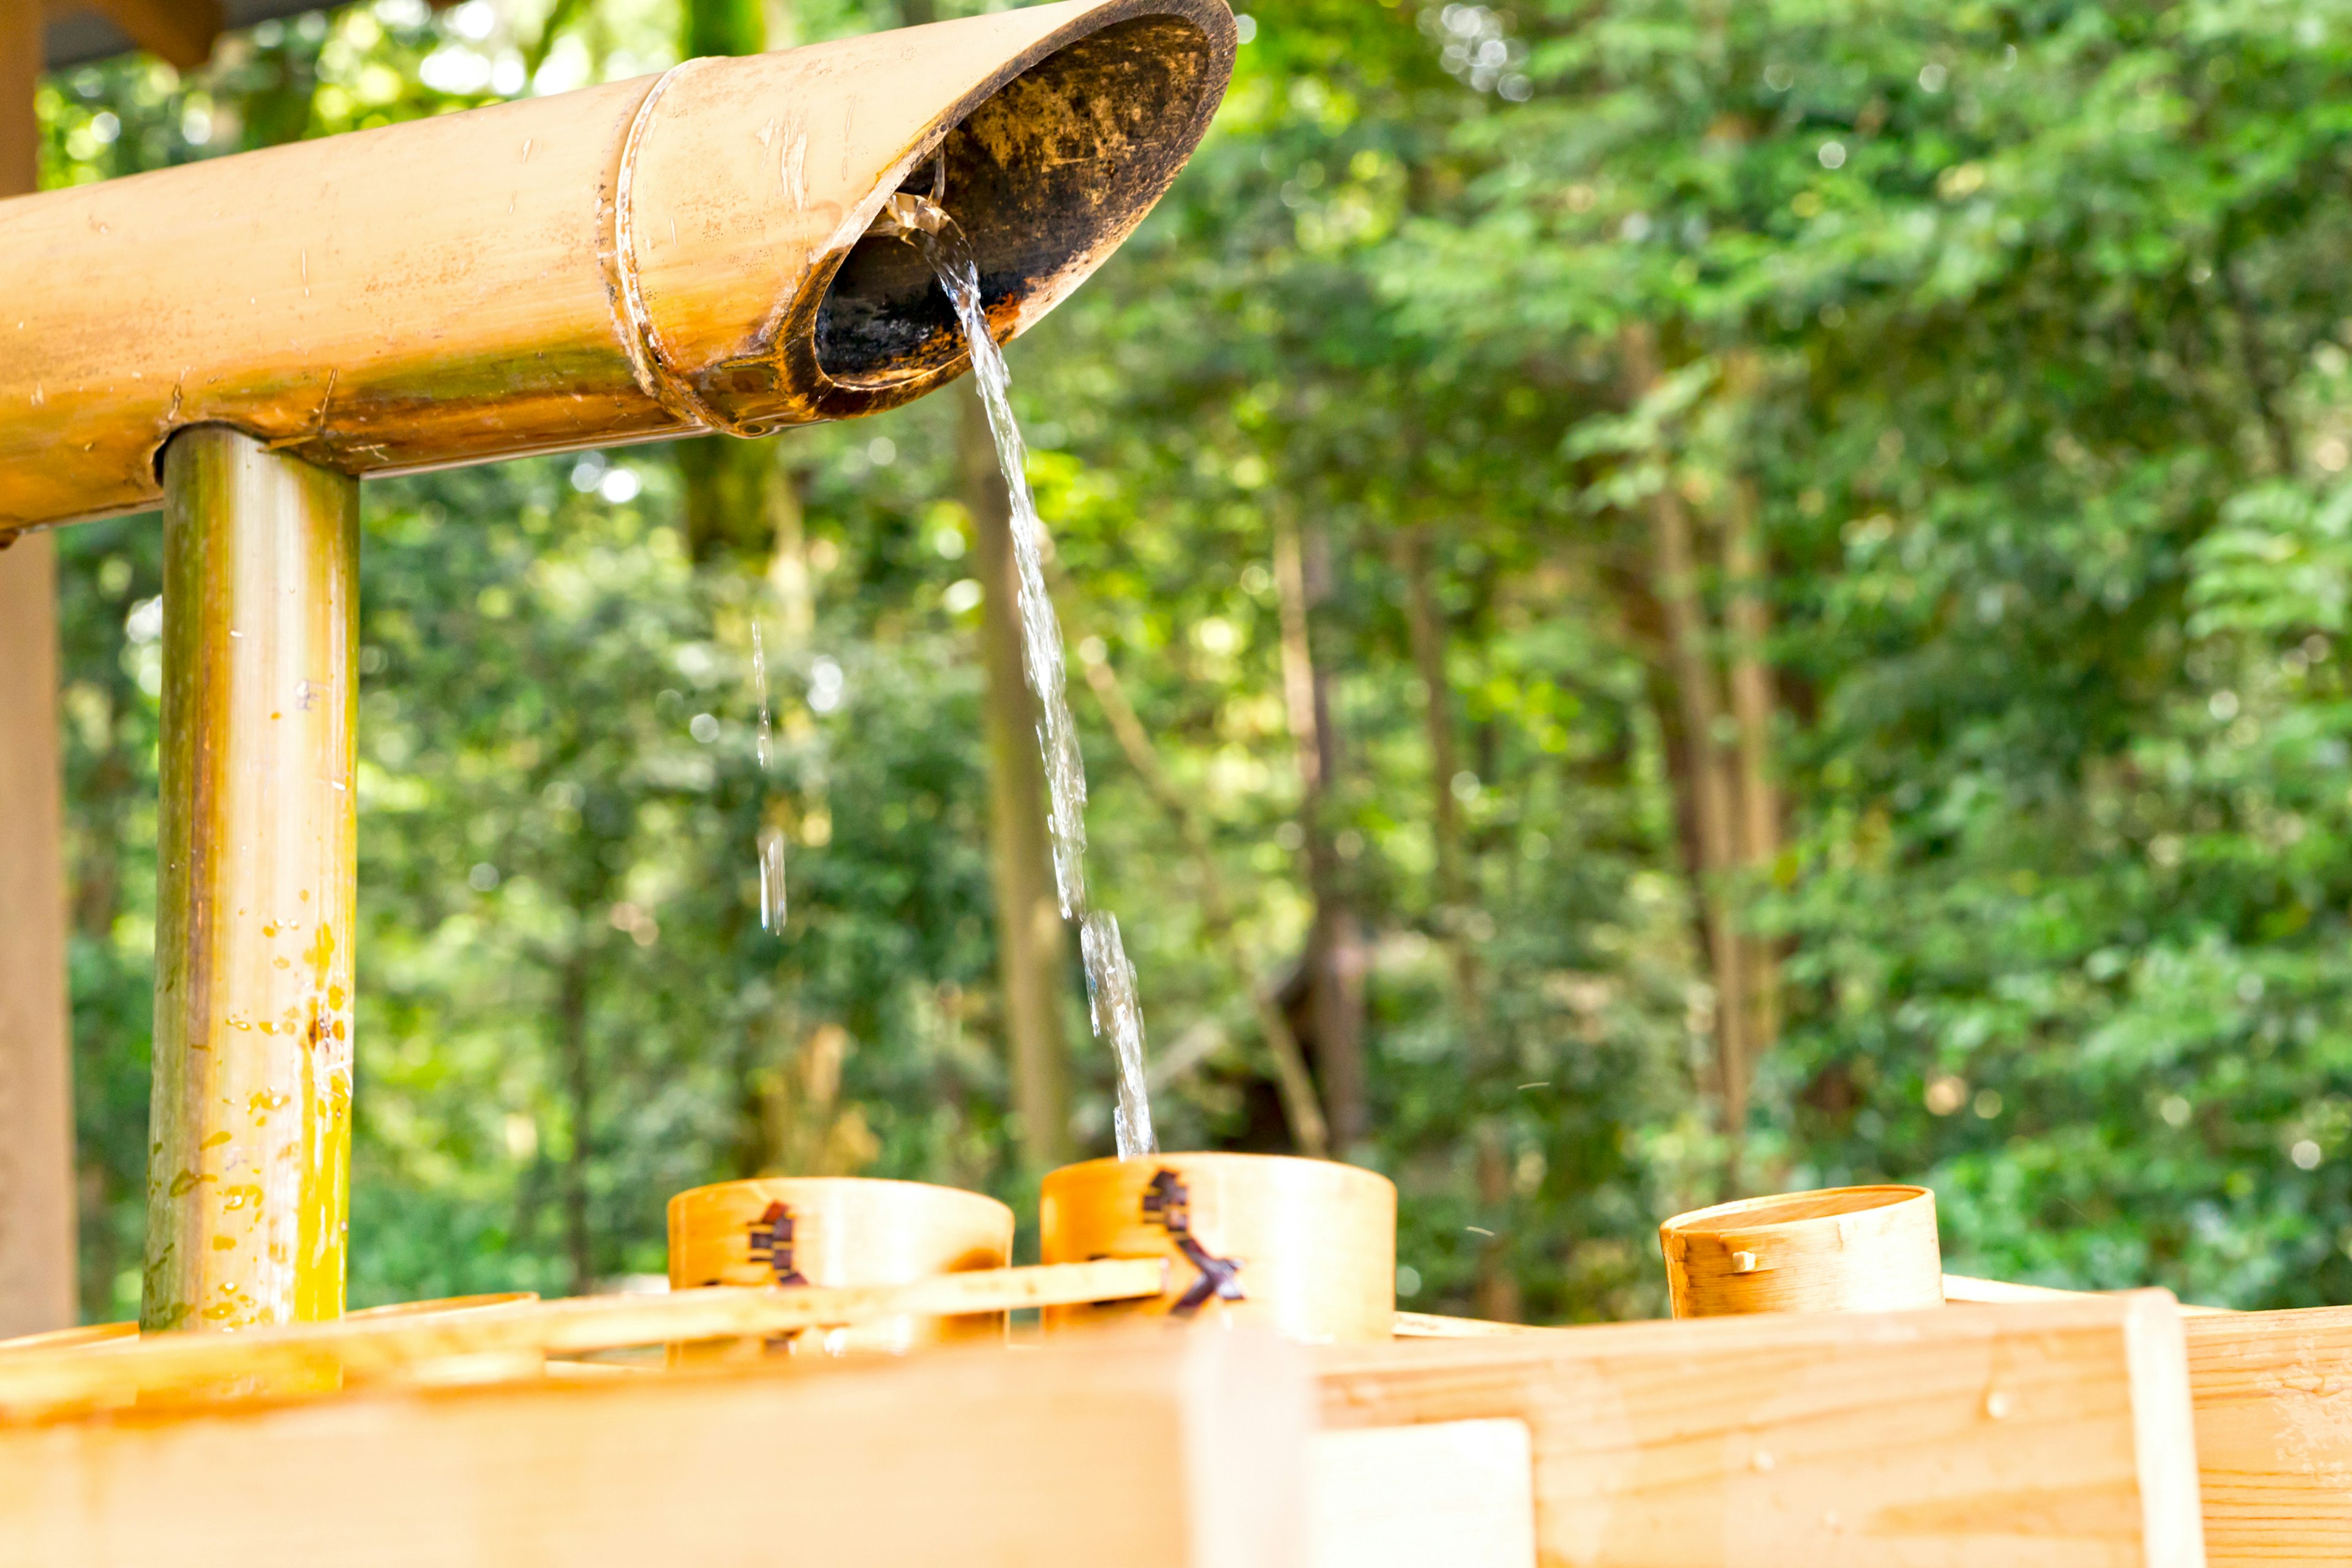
{"x":249,"y":1157}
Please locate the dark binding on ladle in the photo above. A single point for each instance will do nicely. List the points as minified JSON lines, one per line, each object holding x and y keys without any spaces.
{"x":1166,"y":1200}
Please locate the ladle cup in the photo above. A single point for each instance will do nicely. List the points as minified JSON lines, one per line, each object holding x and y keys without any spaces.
{"x":1841,"y":1250}
{"x":838,"y":1230}
{"x":1306,"y":1248}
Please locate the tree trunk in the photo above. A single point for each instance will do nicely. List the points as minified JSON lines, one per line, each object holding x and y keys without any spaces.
{"x":1745,"y":570}
{"x":1031,"y":941}
{"x":1426,"y":629}
{"x":789,"y":580}
{"x":1498,"y":1285}
{"x":1707,"y":776}
{"x":1300,"y":1109}
{"x":1497,"y":1288}
{"x":580,"y":1090}
{"x":37,"y":1137}
{"x":1334,"y":968}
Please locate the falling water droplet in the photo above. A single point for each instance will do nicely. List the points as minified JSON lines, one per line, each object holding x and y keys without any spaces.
{"x":766,"y":743}
{"x":771,"y":879}
{"x":771,"y":838}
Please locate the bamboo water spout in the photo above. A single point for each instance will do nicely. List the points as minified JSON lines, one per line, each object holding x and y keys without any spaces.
{"x":631,"y":261}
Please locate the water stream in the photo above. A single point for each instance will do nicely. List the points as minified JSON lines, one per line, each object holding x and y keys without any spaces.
{"x":771,"y":838}
{"x":1113,"y":1004}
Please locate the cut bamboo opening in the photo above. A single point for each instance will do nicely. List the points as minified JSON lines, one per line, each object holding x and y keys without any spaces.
{"x":1841,"y":1250}
{"x":631,"y":261}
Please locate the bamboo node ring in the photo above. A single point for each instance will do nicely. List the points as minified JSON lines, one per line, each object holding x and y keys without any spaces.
{"x":640,"y":339}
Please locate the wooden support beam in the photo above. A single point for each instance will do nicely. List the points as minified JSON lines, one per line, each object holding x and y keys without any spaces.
{"x":180,"y":33}
{"x":2045,"y":1435}
{"x":2273,"y":1393}
{"x":1164,"y":1451}
{"x":36,"y":1149}
{"x":37,"y":1384}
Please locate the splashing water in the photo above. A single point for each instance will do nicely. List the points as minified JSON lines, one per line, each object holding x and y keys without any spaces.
{"x":771,"y":839}
{"x":1113,"y":1003}
{"x":765,"y":742}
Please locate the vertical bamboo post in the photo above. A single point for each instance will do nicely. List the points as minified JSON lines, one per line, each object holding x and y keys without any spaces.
{"x":249,"y":1154}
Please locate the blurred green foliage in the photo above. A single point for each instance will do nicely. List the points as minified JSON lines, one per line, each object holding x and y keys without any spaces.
{"x":2021,"y":327}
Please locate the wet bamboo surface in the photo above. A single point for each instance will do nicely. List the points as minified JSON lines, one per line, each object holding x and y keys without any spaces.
{"x":633,"y":260}
{"x":256,"y":889}
{"x":37,"y":1385}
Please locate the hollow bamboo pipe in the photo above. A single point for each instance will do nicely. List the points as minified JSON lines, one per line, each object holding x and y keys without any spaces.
{"x":1840,"y":1250}
{"x":1306,"y":1247}
{"x":250,"y":1140}
{"x":839,"y":1231}
{"x":636,"y":261}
